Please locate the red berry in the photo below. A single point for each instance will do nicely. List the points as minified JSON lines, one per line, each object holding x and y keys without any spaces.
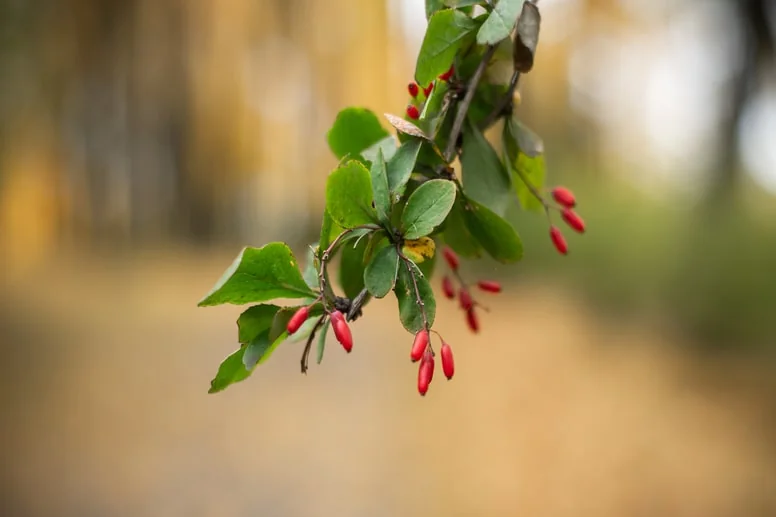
{"x":465,"y":299}
{"x":564,"y":197}
{"x":447,"y":75}
{"x":489,"y":286}
{"x":427,"y":89}
{"x":412,"y":112}
{"x":558,"y":240}
{"x":472,"y":321}
{"x":448,"y":365}
{"x":425,"y":372}
{"x":419,"y":345}
{"x":413,"y":89}
{"x":341,"y":330}
{"x":447,"y":288}
{"x":451,"y":258}
{"x":573,"y":220}
{"x":297,"y":319}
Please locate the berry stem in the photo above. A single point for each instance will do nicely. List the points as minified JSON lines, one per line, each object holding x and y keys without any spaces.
{"x":309,"y":344}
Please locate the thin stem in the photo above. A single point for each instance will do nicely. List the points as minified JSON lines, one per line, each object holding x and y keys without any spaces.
{"x":309,"y":344}
{"x":327,"y":253}
{"x":463,"y":107}
{"x":503,"y":103}
{"x":534,"y":191}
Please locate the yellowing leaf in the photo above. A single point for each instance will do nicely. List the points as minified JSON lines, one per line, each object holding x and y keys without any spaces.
{"x":419,"y":250}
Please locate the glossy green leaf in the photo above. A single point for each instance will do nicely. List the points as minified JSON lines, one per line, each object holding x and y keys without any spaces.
{"x":380,"y":273}
{"x":457,"y":234}
{"x":462,"y":3}
{"x":435,"y":109}
{"x":258,"y":275}
{"x":433,"y":6}
{"x":230,"y":371}
{"x":254,"y":321}
{"x":310,"y":272}
{"x":400,"y":167}
{"x":485,"y":179}
{"x":349,"y":195}
{"x":447,"y":31}
{"x":427,"y":207}
{"x":256,"y":349}
{"x":522,"y":149}
{"x":500,"y":22}
{"x":322,"y":341}
{"x":409,"y":311}
{"x":380,"y":188}
{"x":352,"y":266}
{"x":354,"y":130}
{"x":387,"y":145}
{"x":494,"y":233}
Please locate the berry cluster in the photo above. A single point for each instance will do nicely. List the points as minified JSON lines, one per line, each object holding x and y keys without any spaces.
{"x":566,"y":201}
{"x":467,"y":302}
{"x":423,"y":351}
{"x":414,"y":108}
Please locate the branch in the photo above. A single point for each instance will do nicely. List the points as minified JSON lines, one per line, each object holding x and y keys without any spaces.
{"x":463,"y":107}
{"x":326,"y":256}
{"x":503,"y":103}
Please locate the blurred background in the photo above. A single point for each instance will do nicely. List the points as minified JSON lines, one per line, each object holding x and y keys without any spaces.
{"x":144,"y":142}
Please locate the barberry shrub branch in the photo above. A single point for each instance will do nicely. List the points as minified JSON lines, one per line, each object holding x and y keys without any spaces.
{"x":394,"y":199}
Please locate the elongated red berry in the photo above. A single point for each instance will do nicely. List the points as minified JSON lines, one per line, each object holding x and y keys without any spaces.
{"x":472,"y":321}
{"x":297,"y":319}
{"x":466,"y":300}
{"x":564,"y":197}
{"x":489,"y":286}
{"x":427,"y":89}
{"x":447,"y":75}
{"x":341,"y":330}
{"x":412,"y":112}
{"x":425,"y":372}
{"x":572,"y":219}
{"x":448,"y":364}
{"x":559,"y":241}
{"x":448,"y":288}
{"x":419,"y":345}
{"x":413,"y":89}
{"x":451,"y":258}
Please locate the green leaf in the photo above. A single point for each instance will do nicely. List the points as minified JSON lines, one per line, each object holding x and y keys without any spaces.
{"x":484,"y":177}
{"x":380,"y":273}
{"x":254,"y":321}
{"x":329,"y":231}
{"x":229,"y":372}
{"x":433,"y":6}
{"x":322,"y":341}
{"x":427,"y":207}
{"x":400,"y":167}
{"x":457,"y":234}
{"x":354,"y":130}
{"x":255,"y":350}
{"x":349,"y":195}
{"x":523,"y":149}
{"x":462,"y":3}
{"x":495,"y":234}
{"x":409,"y":311}
{"x":435,"y":109}
{"x":258,"y":275}
{"x":446,"y":33}
{"x":380,"y":188}
{"x":352,"y":265}
{"x":310,"y":273}
{"x":387,"y":145}
{"x":500,"y":22}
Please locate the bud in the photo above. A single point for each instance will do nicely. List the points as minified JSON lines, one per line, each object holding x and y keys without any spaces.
{"x":412,"y":112}
{"x":564,"y":197}
{"x":341,"y":330}
{"x":297,"y":319}
{"x":425,"y":372}
{"x":558,"y":240}
{"x":419,"y":345}
{"x":447,"y":287}
{"x":472,"y":321}
{"x":448,"y":365}
{"x":465,"y":299}
{"x":489,"y":286}
{"x":447,"y":75}
{"x":573,"y":220}
{"x":451,"y":258}
{"x":413,"y":89}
